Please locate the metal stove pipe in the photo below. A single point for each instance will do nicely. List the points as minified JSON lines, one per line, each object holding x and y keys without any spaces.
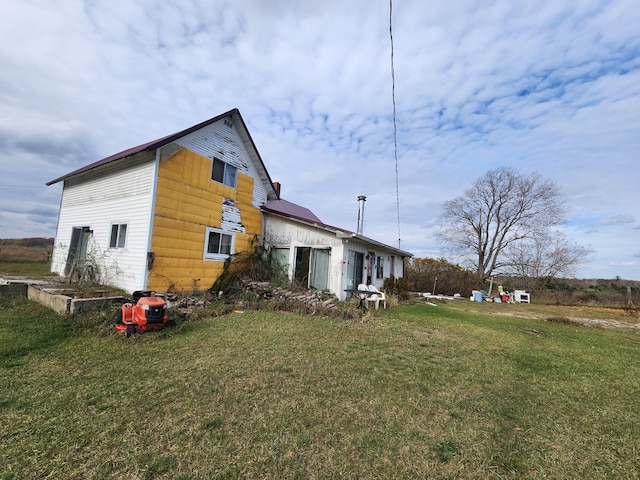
{"x":361,"y":200}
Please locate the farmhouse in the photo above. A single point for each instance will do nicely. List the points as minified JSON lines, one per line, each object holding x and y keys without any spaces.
{"x":167,"y":214}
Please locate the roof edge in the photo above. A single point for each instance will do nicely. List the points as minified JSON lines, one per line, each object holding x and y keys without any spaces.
{"x":341,"y":232}
{"x":154,"y":144}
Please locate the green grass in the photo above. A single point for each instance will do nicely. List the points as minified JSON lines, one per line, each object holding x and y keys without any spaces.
{"x":412,"y":392}
{"x":25,"y":268}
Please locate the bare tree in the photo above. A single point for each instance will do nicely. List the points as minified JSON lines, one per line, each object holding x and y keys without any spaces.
{"x":501,"y":208}
{"x":542,"y":257}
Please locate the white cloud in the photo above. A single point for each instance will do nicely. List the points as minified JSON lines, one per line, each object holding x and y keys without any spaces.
{"x":551,"y":86}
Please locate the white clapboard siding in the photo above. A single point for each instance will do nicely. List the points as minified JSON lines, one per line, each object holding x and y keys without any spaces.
{"x":231,"y":218}
{"x":221,"y":141}
{"x":124,"y":196}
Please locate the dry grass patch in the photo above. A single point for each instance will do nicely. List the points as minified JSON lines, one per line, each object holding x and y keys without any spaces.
{"x":542,"y":312}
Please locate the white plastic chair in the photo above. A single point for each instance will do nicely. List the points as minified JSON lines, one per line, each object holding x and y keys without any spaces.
{"x":377,"y":297}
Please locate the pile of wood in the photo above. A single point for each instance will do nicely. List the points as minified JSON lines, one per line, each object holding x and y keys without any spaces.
{"x":315,"y":299}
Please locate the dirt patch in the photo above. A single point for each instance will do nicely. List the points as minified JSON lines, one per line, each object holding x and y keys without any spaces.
{"x":601,"y":317}
{"x":595,"y":322}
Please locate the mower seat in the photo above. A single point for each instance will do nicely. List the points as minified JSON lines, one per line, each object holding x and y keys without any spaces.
{"x":138,"y":294}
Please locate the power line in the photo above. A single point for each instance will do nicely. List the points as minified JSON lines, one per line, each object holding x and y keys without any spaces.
{"x":395,"y":127}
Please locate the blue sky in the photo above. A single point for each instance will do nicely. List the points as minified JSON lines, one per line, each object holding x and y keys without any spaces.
{"x":546,"y":86}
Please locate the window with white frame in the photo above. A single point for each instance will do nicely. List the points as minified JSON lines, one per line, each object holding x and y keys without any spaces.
{"x":379,"y":267}
{"x":118,"y":235}
{"x":218,"y":244}
{"x":224,"y":173}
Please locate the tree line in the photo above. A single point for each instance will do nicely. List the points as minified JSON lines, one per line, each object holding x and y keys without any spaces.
{"x":28,"y":242}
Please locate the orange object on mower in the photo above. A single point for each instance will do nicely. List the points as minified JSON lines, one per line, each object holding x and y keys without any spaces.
{"x":145,"y":312}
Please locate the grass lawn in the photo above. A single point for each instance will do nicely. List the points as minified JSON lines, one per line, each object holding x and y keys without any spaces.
{"x":412,"y":392}
{"x":25,"y":267}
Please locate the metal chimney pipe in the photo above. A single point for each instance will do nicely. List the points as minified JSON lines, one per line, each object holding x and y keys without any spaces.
{"x":361,"y":200}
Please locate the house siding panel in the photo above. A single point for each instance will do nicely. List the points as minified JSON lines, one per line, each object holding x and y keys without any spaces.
{"x":99,"y":201}
{"x":188,"y":202}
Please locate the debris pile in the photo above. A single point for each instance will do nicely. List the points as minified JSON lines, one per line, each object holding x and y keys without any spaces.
{"x":314,"y":299}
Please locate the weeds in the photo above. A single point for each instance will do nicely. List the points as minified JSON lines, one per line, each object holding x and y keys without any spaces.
{"x":256,"y":264}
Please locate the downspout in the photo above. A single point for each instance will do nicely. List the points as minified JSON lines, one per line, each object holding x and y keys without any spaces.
{"x":55,"y":252}
{"x":154,"y":190}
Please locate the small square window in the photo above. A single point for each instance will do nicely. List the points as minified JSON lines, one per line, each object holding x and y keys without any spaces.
{"x":218,"y":244}
{"x":224,"y":173}
{"x":118,"y":235}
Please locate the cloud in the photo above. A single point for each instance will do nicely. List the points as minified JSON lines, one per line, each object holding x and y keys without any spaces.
{"x":550,"y":86}
{"x":617,"y":220}
{"x":591,"y":225}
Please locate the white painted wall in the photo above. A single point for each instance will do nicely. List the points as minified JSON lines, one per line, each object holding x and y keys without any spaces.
{"x":124,"y":196}
{"x":283,"y":232}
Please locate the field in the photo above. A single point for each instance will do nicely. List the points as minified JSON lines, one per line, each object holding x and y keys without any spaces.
{"x":455,"y":390}
{"x":24,"y":260}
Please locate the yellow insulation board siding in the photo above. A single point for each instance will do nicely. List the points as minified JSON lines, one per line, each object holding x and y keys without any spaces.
{"x":187,"y":202}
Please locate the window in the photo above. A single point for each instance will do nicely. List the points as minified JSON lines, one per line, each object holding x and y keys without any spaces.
{"x":218,"y":244}
{"x":118,"y":235}
{"x":280,"y":256}
{"x":224,"y":173}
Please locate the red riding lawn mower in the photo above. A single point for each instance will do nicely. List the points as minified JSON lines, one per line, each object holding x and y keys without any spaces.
{"x":146,"y":311}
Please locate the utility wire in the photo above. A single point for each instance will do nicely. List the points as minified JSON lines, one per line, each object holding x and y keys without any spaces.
{"x":395,"y":127}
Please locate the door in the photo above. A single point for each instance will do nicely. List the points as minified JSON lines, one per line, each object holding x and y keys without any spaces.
{"x":78,"y":247}
{"x":370,"y":257}
{"x":319,"y":273}
{"x":301,"y":272}
{"x":355,"y":263}
{"x":312,"y":267}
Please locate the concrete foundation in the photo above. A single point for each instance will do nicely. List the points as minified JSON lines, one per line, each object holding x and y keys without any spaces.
{"x":57,"y":299}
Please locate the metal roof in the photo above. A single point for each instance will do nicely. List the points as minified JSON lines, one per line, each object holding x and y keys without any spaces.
{"x":153,"y":145}
{"x":292,"y":210}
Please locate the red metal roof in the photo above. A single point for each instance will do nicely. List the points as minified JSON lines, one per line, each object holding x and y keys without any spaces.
{"x":149,"y":146}
{"x":292,"y":210}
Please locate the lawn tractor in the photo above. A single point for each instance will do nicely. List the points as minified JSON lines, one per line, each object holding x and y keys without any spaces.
{"x":146,"y":311}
